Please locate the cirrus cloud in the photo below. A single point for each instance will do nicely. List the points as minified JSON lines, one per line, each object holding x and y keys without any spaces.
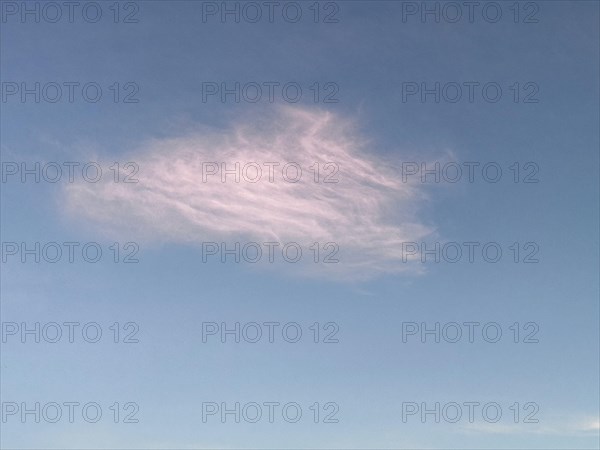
{"x":368,"y":212}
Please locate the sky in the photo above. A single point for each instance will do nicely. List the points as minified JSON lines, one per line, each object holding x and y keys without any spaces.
{"x":350,"y":224}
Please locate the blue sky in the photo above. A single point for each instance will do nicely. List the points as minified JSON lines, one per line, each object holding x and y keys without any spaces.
{"x":370,"y":55}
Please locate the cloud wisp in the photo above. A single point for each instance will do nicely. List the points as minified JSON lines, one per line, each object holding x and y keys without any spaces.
{"x":558,"y":426}
{"x":300,"y":176}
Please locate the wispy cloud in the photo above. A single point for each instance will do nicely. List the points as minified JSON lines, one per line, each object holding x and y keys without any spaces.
{"x":572,"y":426}
{"x":368,"y":212}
